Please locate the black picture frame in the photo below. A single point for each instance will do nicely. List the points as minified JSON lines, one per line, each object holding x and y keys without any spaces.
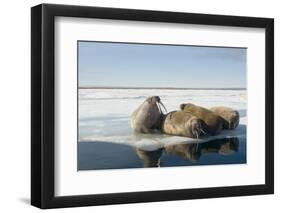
{"x":43,"y":105}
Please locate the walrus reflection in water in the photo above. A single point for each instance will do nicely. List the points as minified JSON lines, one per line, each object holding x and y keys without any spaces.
{"x":186,"y":151}
{"x":148,"y":116}
{"x":214,"y":123}
{"x":229,"y":116}
{"x":226,"y":146}
{"x":181,"y":123}
{"x":150,"y":158}
{"x":193,"y":152}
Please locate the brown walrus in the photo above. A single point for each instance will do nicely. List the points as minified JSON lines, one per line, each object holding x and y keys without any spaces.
{"x":213,"y":122}
{"x":230,"y":117}
{"x":148,"y":116}
{"x":181,"y":123}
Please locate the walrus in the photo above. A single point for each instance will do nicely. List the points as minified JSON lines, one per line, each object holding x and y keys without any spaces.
{"x":229,"y":116}
{"x":148,"y":116}
{"x":181,"y":123}
{"x":213,"y":122}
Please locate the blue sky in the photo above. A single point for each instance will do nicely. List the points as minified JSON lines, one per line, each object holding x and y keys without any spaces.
{"x":144,"y":65}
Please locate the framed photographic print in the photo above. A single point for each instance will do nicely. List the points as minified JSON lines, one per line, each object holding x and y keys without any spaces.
{"x":140,"y":106}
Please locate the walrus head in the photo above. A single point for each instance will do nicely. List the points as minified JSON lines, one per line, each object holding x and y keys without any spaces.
{"x":196,"y":126}
{"x":147,"y":118}
{"x":183,"y":106}
{"x":156,"y":100}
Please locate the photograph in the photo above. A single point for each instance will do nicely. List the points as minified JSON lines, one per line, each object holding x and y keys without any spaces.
{"x":138,"y":105}
{"x":143,"y":105}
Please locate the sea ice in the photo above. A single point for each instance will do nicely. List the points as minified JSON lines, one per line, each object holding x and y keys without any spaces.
{"x":104,"y":114}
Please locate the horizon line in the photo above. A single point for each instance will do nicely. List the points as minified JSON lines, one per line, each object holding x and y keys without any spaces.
{"x":175,"y":88}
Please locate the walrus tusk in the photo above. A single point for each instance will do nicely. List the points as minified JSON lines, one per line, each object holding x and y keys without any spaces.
{"x":159,"y":107}
{"x":162,"y":106}
{"x":203,"y":131}
{"x":197,"y":134}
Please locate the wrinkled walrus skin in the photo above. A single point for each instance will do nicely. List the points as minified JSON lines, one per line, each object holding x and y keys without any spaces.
{"x":147,"y":117}
{"x":181,"y":123}
{"x":230,"y":117}
{"x":214,"y":123}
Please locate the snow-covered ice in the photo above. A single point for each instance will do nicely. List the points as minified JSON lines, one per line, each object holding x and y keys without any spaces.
{"x":104,"y":114}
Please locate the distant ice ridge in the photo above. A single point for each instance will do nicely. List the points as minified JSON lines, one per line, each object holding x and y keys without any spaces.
{"x":104,"y":114}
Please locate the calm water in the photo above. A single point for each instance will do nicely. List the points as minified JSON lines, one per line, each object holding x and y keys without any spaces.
{"x":105,"y":155}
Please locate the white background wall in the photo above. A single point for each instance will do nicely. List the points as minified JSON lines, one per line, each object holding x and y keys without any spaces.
{"x":15,"y":104}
